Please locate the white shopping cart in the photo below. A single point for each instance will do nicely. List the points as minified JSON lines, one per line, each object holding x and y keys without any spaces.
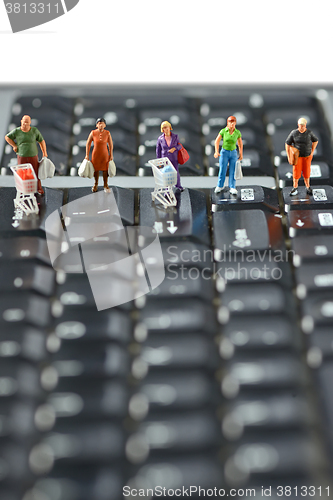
{"x":165,"y":176}
{"x":26,"y":186}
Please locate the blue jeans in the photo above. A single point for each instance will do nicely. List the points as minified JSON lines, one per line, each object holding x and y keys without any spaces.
{"x":225,"y":158}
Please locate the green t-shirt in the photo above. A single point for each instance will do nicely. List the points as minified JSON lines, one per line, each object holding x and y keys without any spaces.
{"x":230,"y":141}
{"x":26,"y":141}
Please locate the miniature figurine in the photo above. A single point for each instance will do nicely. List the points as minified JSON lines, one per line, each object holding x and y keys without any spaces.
{"x":102,"y":152}
{"x":303,"y":142}
{"x":23,"y":141}
{"x":231,"y":136}
{"x":168,"y":146}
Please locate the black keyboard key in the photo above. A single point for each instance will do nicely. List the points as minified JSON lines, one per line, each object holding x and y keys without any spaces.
{"x":312,"y":278}
{"x":187,"y":254}
{"x":24,"y":248}
{"x":265,"y":372}
{"x":22,"y":341}
{"x":320,"y":346}
{"x":187,"y":220}
{"x":91,"y":443}
{"x":321,"y":198}
{"x":291,"y":455}
{"x":309,"y":222}
{"x":312,"y":248}
{"x":188,"y":350}
{"x":179,"y":316}
{"x":248,"y":197}
{"x":180,"y":433}
{"x":91,"y":360}
{"x":246,"y":230}
{"x":25,"y":307}
{"x":20,"y":378}
{"x":40,"y":102}
{"x":317,"y":309}
{"x":179,"y":472}
{"x":18,"y":224}
{"x":282,"y":410}
{"x":267,"y":298}
{"x":93,"y":399}
{"x":175,"y":391}
{"x":81,"y":482}
{"x":89,"y":109}
{"x":178,"y":117}
{"x":255,"y":334}
{"x":181,"y":282}
{"x":89,"y":325}
{"x":90,"y":207}
{"x":23,"y":276}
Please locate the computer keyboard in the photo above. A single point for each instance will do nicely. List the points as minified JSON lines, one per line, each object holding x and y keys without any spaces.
{"x":218,"y":382}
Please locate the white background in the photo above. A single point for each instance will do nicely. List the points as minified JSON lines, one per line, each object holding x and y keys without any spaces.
{"x":174,"y":41}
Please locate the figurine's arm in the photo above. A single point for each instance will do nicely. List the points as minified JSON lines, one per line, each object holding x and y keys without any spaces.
{"x":158,"y":149}
{"x":240,"y":147}
{"x":11,"y":143}
{"x":89,"y":141}
{"x":217,"y":143}
{"x":43,"y":147}
{"x":110,"y":143}
{"x":313,"y":147}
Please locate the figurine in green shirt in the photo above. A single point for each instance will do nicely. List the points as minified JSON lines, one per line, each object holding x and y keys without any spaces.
{"x":231,"y":137}
{"x":23,"y":141}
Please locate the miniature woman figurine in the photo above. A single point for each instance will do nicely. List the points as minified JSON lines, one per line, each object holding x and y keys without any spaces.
{"x":101,"y":154}
{"x":167,"y":147}
{"x":231,"y":136}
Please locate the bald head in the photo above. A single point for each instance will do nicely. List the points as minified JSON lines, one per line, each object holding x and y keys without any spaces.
{"x":25,"y":123}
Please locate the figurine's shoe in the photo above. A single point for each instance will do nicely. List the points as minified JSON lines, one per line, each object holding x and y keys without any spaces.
{"x":40,"y":192}
{"x":218,"y":189}
{"x":94,"y":189}
{"x":233,"y":191}
{"x":180,"y":189}
{"x":293,"y":192}
{"x":309,"y":190}
{"x":107,"y":190}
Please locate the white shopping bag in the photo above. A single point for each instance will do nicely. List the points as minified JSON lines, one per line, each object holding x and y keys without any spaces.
{"x":46,"y":169}
{"x":112,"y":169}
{"x":238,"y":171}
{"x":86,"y":169}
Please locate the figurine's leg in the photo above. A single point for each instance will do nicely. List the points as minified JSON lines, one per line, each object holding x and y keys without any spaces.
{"x":105,"y":180}
{"x":224,"y":158}
{"x":306,"y":173}
{"x":95,"y":187}
{"x":297,"y":170}
{"x":232,"y":165}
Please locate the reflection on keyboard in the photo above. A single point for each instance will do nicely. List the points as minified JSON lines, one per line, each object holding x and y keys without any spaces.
{"x":221,"y":377}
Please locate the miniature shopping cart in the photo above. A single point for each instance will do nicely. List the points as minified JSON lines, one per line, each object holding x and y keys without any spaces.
{"x":26,"y":186}
{"x":165,"y":176}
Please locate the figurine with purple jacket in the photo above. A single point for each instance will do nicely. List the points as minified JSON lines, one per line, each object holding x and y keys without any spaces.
{"x":168,"y":146}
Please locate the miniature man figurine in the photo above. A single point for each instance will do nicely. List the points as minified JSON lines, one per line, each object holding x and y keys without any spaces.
{"x":23,"y":141}
{"x":231,"y":136}
{"x":305,"y":143}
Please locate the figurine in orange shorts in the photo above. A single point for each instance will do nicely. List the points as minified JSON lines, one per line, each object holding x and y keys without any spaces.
{"x":300,"y":146}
